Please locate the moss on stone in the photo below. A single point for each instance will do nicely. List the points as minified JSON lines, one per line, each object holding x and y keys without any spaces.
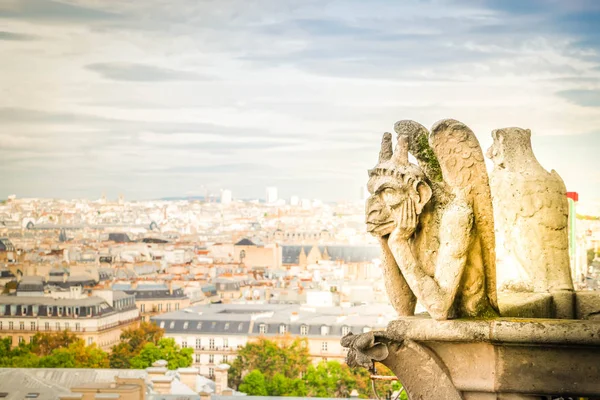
{"x":427,"y":159}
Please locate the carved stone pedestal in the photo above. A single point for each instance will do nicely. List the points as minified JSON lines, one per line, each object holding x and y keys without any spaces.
{"x":504,"y":358}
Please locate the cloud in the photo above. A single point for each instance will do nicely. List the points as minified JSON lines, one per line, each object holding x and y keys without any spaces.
{"x":19,"y":37}
{"x":48,"y":10}
{"x":133,"y":72}
{"x":584,"y":98}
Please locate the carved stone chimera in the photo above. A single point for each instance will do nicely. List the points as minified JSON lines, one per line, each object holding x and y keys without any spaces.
{"x":434,"y":221}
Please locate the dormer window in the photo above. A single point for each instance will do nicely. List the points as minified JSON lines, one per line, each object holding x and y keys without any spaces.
{"x":324,"y":330}
{"x":262,"y":328}
{"x":282,"y":329}
{"x":162,"y":324}
{"x":185,"y":325}
{"x":172,"y":325}
{"x":199,"y":326}
{"x":366,"y":329}
{"x":345,"y":330}
{"x":304,"y":330}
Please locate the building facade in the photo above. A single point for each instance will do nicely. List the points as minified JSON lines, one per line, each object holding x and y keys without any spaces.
{"x":99,"y":318}
{"x":217,"y":331}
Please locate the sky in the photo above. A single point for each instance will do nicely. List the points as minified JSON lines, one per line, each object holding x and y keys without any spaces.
{"x":160,"y":98}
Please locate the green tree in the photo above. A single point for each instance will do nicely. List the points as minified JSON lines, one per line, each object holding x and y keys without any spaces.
{"x":280,"y":385}
{"x":43,"y":344}
{"x":132,"y":342}
{"x":254,"y":384}
{"x":76,"y":355}
{"x":285,"y":356}
{"x":17,"y":357}
{"x":167,"y":350}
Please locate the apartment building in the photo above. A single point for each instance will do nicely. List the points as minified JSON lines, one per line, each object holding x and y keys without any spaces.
{"x":217,"y":331}
{"x":155,"y":298}
{"x":98,"y":317}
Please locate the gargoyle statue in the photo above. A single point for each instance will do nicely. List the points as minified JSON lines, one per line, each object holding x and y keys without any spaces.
{"x":434,"y":221}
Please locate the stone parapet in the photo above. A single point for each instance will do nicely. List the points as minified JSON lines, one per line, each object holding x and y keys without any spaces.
{"x":485,"y":359}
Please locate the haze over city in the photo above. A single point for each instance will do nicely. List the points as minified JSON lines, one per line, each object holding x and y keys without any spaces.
{"x":160,"y":98}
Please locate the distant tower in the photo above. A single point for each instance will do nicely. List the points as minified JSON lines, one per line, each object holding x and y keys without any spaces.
{"x":272,"y":195}
{"x":294,"y":201}
{"x":63,"y":236}
{"x":226,"y":196}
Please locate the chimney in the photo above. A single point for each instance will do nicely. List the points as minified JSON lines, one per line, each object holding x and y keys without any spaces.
{"x":187,"y":376}
{"x":133,"y":285}
{"x":170,"y":285}
{"x":157,"y":370}
{"x":204,"y":395}
{"x":221,"y":378}
{"x":65,"y":277}
{"x":162,"y":384}
{"x":294,"y":317}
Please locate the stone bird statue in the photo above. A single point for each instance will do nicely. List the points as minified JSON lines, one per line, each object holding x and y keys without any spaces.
{"x":531,"y":216}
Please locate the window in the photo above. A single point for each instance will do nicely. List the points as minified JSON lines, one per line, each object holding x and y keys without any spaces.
{"x":184,"y":343}
{"x":282,"y":329}
{"x":263,"y":328}
{"x":142,"y":307}
{"x":199,"y":326}
{"x":366,"y":329}
{"x":211,"y":373}
{"x":240,"y":326}
{"x":324,"y":330}
{"x":226,"y":326}
{"x":66,"y":326}
{"x":32,"y":326}
{"x":225,"y":360}
{"x":159,"y":307}
{"x":176,"y":306}
{"x":162,"y":324}
{"x":323,"y":346}
{"x":304,"y":330}
{"x":90,"y":341}
{"x":0,"y":325}
{"x":47,"y":326}
{"x":58,"y":326}
{"x":168,"y":307}
{"x":21,"y":339}
{"x":32,"y":395}
{"x":185,"y":325}
{"x":198,"y":343}
{"x":211,"y":343}
{"x":22,"y":325}
{"x":226,"y":343}
{"x":345,"y":330}
{"x":10,"y":325}
{"x":30,"y":339}
{"x":77,"y":326}
{"x":211,"y":358}
{"x":197,"y":358}
{"x":172,"y":325}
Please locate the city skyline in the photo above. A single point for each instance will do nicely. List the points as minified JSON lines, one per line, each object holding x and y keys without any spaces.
{"x":153,"y":100}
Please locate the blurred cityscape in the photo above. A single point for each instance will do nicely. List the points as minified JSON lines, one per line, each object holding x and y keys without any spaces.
{"x":214,"y":273}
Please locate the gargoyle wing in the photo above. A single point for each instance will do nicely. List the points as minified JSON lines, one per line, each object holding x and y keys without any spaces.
{"x":451,"y":157}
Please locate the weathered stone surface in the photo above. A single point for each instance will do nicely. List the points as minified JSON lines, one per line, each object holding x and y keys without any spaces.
{"x":526,"y":305}
{"x":587,"y":305}
{"x":434,"y":221}
{"x":504,"y":358}
{"x":531,"y":217}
